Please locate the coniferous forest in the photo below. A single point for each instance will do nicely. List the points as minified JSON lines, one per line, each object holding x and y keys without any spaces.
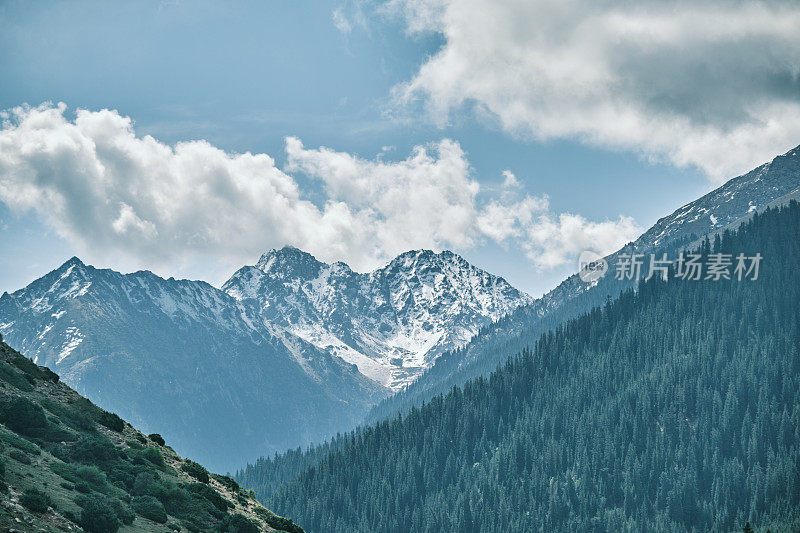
{"x":675,"y":407}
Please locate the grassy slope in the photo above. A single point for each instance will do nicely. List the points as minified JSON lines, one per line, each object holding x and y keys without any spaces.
{"x":70,"y":455}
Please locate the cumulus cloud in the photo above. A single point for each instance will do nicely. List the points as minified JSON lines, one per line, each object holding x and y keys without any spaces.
{"x":710,"y":83}
{"x":113,"y":195}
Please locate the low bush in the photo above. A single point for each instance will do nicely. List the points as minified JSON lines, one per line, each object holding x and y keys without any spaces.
{"x":158,"y":439}
{"x":52,"y":433}
{"x":49,"y":375}
{"x":209,"y":494}
{"x":15,"y":379}
{"x":93,"y":449}
{"x":195,"y":470}
{"x":111,"y":421}
{"x":92,"y":476}
{"x":20,"y":456}
{"x":27,"y":366}
{"x":66,"y":470}
{"x":152,"y":455}
{"x":35,"y":501}
{"x":150,"y":508}
{"x":74,"y":418}
{"x":97,"y":516}
{"x":228,"y":482}
{"x":22,"y":415}
{"x":20,"y":443}
{"x":278,"y":522}
{"x":124,"y":513}
{"x":238,"y":523}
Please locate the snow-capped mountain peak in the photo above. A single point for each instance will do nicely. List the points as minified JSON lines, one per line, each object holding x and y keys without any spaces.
{"x":392,"y":322}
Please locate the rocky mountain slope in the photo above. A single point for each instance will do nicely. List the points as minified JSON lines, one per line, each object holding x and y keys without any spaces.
{"x":771,"y":184}
{"x":393,"y":322}
{"x":67,"y":465}
{"x":185,"y":357}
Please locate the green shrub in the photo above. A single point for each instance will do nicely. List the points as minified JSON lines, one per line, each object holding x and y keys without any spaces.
{"x":2,"y":469}
{"x":15,"y":379}
{"x":83,"y":487}
{"x":238,"y":523}
{"x":278,"y":522}
{"x":150,"y":508}
{"x":48,"y":374}
{"x":136,"y":445}
{"x":67,"y":485}
{"x":22,"y":415}
{"x":158,"y":439}
{"x":228,"y":481}
{"x":111,"y":421}
{"x":20,"y":443}
{"x":209,"y":494}
{"x":20,"y":456}
{"x":74,"y":418}
{"x":93,"y":449}
{"x":195,"y":470}
{"x":150,"y":455}
{"x":142,"y":484}
{"x":65,"y":470}
{"x":27,"y":366}
{"x":52,"y":433}
{"x":35,"y":501}
{"x":97,"y":516}
{"x":92,"y":475}
{"x":124,"y":513}
{"x":188,"y":506}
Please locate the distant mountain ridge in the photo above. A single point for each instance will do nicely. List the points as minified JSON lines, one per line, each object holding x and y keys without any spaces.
{"x":392,"y":322}
{"x":185,"y":357}
{"x":272,"y":358}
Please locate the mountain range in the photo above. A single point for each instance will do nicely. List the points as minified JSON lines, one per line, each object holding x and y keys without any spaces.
{"x":773,"y":184}
{"x":674,"y":407}
{"x":287,"y":353}
{"x":292,"y":350}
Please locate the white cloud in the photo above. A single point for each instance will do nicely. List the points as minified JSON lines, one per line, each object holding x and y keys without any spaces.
{"x":552,"y":241}
{"x":122,"y":198}
{"x":340,"y":21}
{"x":712,"y":83}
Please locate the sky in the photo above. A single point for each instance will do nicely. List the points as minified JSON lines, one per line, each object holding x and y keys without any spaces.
{"x":188,"y":138}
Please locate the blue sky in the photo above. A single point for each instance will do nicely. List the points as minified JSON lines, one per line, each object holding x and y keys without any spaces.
{"x":369,"y":81}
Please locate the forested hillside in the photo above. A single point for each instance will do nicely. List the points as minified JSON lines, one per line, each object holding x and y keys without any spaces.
{"x":675,"y":407}
{"x":771,"y":184}
{"x":67,"y":465}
